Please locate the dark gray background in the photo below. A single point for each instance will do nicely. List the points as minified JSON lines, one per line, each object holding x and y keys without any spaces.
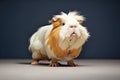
{"x":19,"y":19}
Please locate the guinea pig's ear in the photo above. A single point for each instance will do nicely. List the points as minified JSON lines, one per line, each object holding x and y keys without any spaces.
{"x":56,"y":22}
{"x":81,"y":19}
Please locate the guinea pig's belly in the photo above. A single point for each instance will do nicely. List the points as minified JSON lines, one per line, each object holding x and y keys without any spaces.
{"x":67,"y":58}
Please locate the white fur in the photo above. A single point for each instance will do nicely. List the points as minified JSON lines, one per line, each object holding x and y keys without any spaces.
{"x":66,"y":31}
{"x":38,"y":41}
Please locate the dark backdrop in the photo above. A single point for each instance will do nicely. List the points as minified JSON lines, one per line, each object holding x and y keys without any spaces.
{"x":19,"y":19}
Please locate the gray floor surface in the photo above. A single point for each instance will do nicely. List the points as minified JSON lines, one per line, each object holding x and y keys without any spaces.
{"x":87,"y":70}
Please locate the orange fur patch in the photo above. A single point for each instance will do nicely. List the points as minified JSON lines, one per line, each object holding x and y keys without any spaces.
{"x":57,"y":23}
{"x":75,"y":52}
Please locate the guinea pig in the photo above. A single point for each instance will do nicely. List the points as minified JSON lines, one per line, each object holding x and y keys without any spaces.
{"x":61,"y":40}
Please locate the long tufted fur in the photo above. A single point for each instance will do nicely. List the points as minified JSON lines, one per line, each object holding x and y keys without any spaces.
{"x":62,"y":39}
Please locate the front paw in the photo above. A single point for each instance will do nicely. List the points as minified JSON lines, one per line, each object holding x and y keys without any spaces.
{"x":71,"y":63}
{"x":54,"y":64}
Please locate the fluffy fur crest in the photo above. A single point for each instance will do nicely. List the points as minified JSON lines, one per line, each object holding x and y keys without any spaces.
{"x":73,"y":14}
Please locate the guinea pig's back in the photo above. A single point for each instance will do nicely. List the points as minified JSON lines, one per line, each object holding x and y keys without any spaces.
{"x":37,"y":40}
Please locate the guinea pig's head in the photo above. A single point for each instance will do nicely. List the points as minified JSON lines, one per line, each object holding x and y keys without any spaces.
{"x":70,"y":26}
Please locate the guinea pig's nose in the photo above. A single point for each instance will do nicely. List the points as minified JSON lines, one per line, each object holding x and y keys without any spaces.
{"x":73,"y":26}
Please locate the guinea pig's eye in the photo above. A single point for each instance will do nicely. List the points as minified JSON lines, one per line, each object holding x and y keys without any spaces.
{"x":63,"y":24}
